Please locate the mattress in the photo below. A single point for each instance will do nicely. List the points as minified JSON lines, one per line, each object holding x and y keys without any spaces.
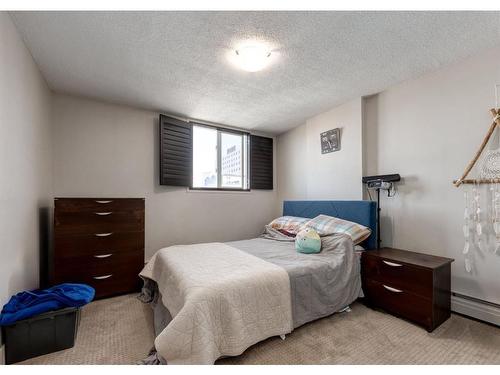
{"x":321,"y":284}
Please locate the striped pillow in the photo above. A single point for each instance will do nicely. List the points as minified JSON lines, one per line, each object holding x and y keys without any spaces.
{"x":291,"y":224}
{"x":326,"y":225}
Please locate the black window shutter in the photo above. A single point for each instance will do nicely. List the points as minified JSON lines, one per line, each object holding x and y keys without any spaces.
{"x":176,"y":152}
{"x":261,"y":163}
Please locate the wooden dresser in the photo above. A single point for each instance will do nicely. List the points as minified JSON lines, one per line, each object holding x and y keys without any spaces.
{"x":99,"y":242}
{"x":410,"y":285}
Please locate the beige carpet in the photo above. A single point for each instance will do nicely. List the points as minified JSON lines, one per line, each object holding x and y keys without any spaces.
{"x":119,"y":331}
{"x":112,"y":331}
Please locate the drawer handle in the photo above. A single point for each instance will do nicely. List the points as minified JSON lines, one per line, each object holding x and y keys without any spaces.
{"x":103,"y":213}
{"x":102,"y":256}
{"x":392,"y":264}
{"x":103,"y":202}
{"x":103,"y":277}
{"x":392,"y":289}
{"x":103,"y":234}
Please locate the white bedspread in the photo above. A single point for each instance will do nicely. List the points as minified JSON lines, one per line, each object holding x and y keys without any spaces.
{"x":222,"y":300}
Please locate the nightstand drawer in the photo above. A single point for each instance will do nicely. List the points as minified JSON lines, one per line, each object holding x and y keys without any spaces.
{"x":408,"y":284}
{"x":400,"y":275}
{"x":399,"y":302}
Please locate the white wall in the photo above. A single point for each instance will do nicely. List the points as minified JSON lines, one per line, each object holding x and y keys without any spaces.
{"x":427,"y":130}
{"x":305,"y":173}
{"x":109,"y":150}
{"x":25,"y":164}
{"x":291,"y":164}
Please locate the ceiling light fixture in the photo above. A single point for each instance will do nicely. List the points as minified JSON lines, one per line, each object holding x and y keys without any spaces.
{"x":252,"y":58}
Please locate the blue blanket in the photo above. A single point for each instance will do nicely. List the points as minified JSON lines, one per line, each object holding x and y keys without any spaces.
{"x":27,"y":304}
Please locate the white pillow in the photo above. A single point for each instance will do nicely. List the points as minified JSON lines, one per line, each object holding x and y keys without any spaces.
{"x":291,"y":224}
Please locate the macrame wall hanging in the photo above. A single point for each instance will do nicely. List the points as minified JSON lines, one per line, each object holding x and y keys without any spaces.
{"x":482,"y":225}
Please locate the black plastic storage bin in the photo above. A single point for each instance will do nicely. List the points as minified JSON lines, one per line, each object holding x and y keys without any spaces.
{"x":41,"y":334}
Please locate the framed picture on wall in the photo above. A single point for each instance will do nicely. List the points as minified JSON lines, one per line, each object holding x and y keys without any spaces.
{"x":330,"y":141}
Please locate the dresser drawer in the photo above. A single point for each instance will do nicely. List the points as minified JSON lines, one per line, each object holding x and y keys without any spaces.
{"x":410,"y":278}
{"x":109,"y":275}
{"x":102,"y":221}
{"x":399,"y":302}
{"x":71,"y":246}
{"x":110,"y":284}
{"x":98,"y":204}
{"x":100,"y":264}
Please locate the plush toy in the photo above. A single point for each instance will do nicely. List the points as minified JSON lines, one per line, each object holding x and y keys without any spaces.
{"x":308,"y":241}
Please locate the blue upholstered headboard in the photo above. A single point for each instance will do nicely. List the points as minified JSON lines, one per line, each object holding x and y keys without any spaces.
{"x":362,"y":212}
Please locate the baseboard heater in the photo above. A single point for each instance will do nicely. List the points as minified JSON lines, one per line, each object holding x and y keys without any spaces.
{"x":475,"y":308}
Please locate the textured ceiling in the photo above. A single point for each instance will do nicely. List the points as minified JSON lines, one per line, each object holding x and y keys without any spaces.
{"x":175,"y":62}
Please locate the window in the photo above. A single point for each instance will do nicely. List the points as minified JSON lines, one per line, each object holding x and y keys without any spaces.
{"x":220,"y":159}
{"x":207,"y":157}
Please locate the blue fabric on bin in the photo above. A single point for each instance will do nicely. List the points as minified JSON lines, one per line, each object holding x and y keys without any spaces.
{"x":27,"y":304}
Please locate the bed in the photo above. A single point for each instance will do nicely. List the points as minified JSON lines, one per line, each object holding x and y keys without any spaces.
{"x":217,"y":299}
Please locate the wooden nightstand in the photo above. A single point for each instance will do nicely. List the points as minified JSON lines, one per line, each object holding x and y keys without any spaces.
{"x":410,"y":285}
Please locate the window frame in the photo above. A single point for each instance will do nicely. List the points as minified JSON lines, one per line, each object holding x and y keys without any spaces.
{"x":245,"y":163}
